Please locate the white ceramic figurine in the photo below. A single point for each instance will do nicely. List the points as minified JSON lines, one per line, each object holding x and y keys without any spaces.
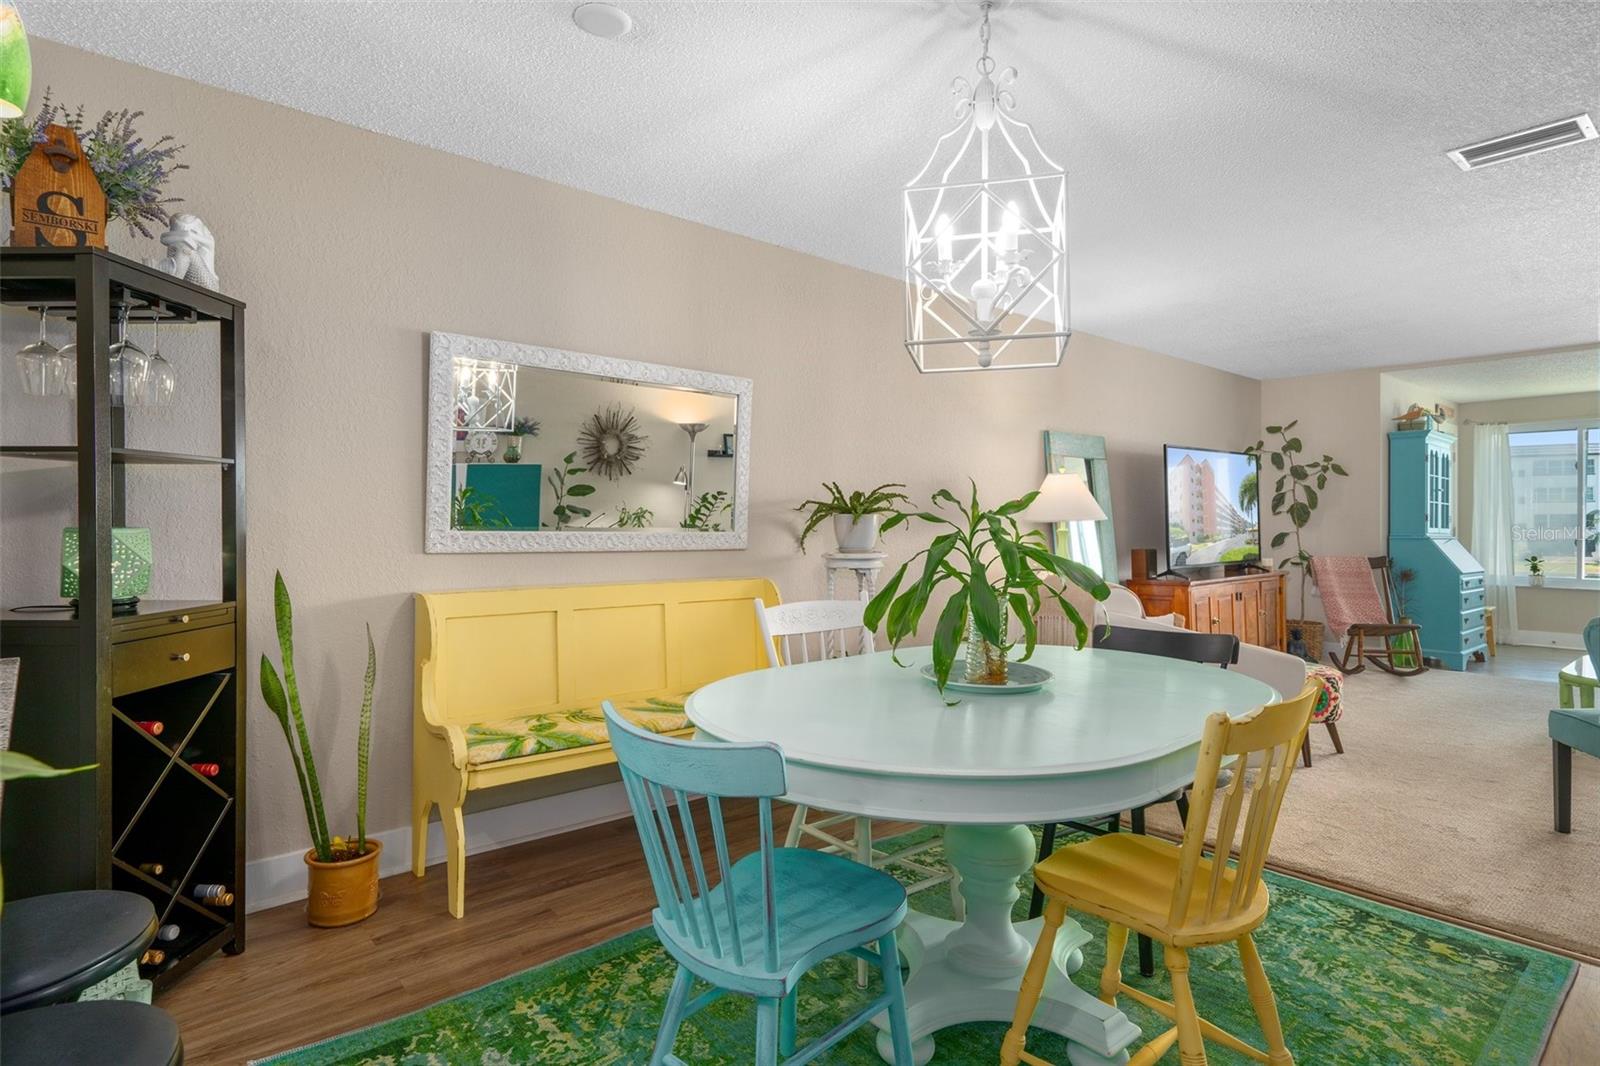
{"x":191,"y":251}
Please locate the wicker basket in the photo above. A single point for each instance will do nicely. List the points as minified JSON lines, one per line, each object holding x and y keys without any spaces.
{"x":1310,"y":634}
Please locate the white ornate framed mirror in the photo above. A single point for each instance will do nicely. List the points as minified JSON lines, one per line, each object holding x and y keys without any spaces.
{"x":534,"y":449}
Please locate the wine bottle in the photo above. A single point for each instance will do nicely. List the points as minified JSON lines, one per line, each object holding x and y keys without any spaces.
{"x":206,"y":769}
{"x":155,"y":729}
{"x":154,"y":869}
{"x":201,"y":891}
{"x":168,"y":932}
{"x":218,"y":899}
{"x":153,"y":957}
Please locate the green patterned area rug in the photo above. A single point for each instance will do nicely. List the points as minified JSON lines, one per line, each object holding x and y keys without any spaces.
{"x":1357,"y":983}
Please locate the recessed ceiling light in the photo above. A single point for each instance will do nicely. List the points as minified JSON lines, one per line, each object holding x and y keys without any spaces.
{"x":602,"y":20}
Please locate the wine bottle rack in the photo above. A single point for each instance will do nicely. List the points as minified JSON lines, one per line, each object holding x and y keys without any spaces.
{"x":89,"y":679}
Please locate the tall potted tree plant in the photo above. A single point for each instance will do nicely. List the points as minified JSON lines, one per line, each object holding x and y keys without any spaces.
{"x":341,"y":872}
{"x":995,"y":570}
{"x":1295,"y":493}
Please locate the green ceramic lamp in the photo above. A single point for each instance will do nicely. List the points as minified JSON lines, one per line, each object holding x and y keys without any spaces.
{"x":16,"y":63}
{"x":130,"y":567}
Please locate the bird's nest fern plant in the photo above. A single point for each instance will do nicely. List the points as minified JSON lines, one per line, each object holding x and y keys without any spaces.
{"x":883,"y":500}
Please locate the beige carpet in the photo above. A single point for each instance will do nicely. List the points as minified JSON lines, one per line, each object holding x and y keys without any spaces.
{"x":1442,"y":800}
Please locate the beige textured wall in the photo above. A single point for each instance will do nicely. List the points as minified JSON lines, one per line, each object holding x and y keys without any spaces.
{"x":349,"y":247}
{"x":1541,"y":610}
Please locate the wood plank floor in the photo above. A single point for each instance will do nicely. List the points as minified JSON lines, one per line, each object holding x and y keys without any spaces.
{"x":525,"y":905}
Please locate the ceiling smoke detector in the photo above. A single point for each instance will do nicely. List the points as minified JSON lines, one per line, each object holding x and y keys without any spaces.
{"x":1524,"y":142}
{"x":602,"y":20}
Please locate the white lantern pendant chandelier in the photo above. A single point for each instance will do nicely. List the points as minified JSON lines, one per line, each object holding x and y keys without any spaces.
{"x":986,"y":238}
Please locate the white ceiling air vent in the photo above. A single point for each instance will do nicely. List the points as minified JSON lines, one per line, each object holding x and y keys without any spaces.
{"x":1524,"y":142}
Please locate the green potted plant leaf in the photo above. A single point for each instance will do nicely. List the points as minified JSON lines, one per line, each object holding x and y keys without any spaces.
{"x":341,"y":872}
{"x":857,"y":516}
{"x":994,"y":571}
{"x":1535,"y":570}
{"x":565,"y":491}
{"x":707,"y":509}
{"x":1295,"y":491}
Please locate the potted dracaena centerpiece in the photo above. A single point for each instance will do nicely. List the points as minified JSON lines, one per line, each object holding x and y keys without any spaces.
{"x":341,"y":872}
{"x":993,"y":570}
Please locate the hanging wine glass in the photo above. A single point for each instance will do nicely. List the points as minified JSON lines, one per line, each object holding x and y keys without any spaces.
{"x":161,"y":380}
{"x":130,"y":365}
{"x":58,"y":365}
{"x":33,"y":363}
{"x":68,"y":355}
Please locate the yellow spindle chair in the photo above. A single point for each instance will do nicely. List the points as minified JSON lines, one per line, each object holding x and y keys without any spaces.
{"x":1177,"y":894}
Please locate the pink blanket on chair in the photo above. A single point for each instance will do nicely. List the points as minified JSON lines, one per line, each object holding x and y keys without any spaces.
{"x":1349,"y":593}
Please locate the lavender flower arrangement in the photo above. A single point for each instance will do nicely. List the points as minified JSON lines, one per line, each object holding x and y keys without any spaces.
{"x":133,"y":174}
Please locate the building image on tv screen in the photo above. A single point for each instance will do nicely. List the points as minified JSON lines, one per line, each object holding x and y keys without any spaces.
{"x":1211,"y":508}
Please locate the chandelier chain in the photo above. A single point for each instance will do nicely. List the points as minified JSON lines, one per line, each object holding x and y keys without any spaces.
{"x":985,"y":63}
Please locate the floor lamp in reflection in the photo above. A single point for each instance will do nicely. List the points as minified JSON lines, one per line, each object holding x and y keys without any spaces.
{"x":685,"y":478}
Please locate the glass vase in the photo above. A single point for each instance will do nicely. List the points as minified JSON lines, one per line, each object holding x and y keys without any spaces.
{"x":986,"y":663}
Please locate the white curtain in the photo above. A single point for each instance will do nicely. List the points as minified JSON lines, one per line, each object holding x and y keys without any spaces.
{"x":1491,"y":521}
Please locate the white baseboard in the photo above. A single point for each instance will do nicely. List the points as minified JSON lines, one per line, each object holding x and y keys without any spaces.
{"x":279,"y":879}
{"x":1535,"y":639}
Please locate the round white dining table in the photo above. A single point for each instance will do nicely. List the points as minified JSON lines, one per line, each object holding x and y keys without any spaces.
{"x":864,"y":736}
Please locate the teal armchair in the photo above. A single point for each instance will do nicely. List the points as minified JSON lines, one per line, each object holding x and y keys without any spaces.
{"x":1574,"y":727}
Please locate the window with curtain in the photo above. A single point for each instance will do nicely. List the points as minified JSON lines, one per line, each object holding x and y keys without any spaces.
{"x":1555,"y":511}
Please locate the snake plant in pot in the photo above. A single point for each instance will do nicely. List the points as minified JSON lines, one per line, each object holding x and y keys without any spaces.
{"x":342,"y":872}
{"x":994,"y":570}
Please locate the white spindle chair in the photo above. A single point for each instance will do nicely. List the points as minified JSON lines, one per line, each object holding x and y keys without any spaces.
{"x":810,"y":631}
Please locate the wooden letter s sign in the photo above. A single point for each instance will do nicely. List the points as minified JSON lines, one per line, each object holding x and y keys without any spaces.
{"x":55,"y":199}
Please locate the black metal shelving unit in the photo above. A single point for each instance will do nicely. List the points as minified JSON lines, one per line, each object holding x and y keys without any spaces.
{"x":88,"y":679}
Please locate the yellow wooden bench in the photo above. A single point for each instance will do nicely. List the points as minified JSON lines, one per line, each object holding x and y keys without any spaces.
{"x":509,"y":682}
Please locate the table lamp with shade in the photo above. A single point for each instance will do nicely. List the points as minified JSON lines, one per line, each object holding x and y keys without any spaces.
{"x":1065,"y":498}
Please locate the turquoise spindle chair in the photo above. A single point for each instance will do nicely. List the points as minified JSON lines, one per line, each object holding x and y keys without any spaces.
{"x":1574,"y":727}
{"x":766,"y":919}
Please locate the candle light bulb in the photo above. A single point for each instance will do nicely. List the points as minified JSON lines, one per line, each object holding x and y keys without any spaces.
{"x":984,"y":290}
{"x":1010,"y":223}
{"x":945,"y":237}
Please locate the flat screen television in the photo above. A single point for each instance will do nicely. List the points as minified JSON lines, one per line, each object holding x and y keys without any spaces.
{"x":1212,"y":508}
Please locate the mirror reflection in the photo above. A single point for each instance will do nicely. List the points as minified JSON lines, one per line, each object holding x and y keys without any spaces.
{"x":552,"y":450}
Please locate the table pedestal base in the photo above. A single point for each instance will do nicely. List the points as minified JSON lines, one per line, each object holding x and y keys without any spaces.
{"x":970,"y":971}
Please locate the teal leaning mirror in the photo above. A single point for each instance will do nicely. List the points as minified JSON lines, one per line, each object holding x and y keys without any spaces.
{"x":1094,"y":544}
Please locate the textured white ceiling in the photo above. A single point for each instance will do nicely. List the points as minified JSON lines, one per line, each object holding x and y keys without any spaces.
{"x":1260,"y":187}
{"x":1543,"y":374}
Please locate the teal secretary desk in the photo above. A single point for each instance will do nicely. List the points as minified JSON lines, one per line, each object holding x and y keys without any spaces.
{"x":1446,"y":597}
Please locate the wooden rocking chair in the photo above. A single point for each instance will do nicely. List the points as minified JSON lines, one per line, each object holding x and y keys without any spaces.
{"x":1357,"y":598}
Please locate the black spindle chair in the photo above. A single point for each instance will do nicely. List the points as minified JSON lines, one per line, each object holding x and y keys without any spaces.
{"x":1213,"y":649}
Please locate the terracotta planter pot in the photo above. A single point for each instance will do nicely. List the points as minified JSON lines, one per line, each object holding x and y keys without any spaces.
{"x":856,"y":534}
{"x":342,"y":893}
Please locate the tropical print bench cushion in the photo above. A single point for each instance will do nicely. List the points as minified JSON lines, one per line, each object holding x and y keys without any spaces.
{"x":578,"y":727}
